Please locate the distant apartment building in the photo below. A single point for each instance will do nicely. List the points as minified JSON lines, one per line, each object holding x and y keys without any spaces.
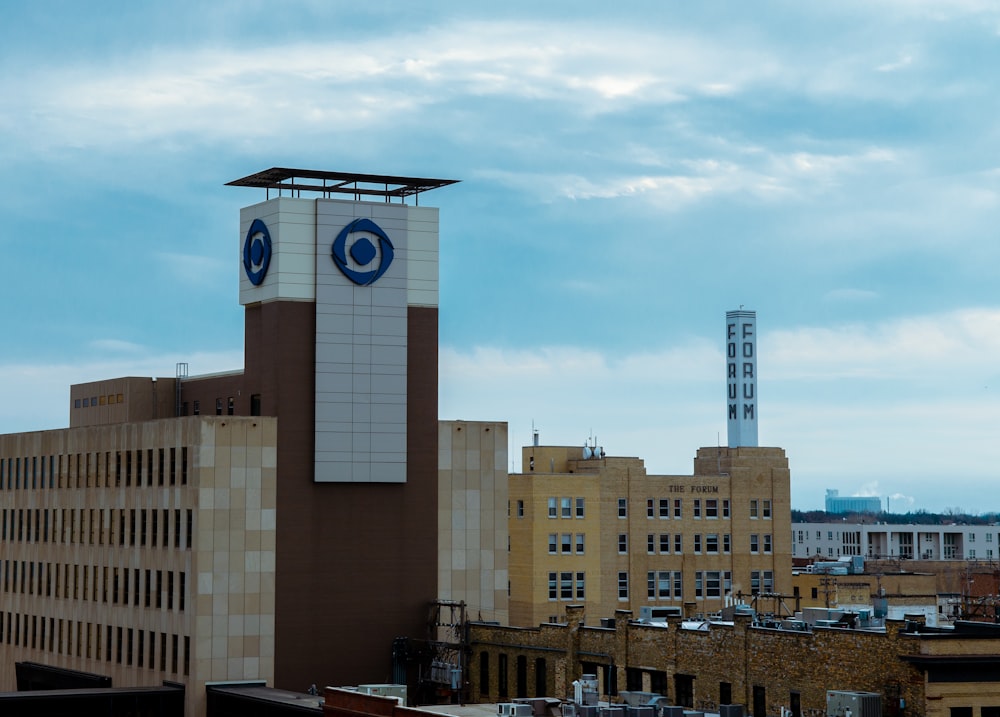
{"x":836,"y":503}
{"x":907,"y":542}
{"x":595,"y":530}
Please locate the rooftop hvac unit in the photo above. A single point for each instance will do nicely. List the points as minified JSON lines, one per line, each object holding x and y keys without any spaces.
{"x":385,"y":690}
{"x":853,"y":704}
{"x":512,"y":709}
{"x":673,"y":711}
{"x":640,"y":711}
{"x":730,"y":710}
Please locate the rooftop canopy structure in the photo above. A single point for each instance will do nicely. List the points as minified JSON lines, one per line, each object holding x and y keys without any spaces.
{"x":328,"y":184}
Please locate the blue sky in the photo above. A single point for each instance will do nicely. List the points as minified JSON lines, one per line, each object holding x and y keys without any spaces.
{"x":629,"y":172}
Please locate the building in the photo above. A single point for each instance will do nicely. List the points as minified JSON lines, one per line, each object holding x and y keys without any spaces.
{"x":592,"y":529}
{"x":472,"y":517}
{"x":278,"y":522}
{"x":917,"y":670}
{"x":901,"y":542}
{"x":836,"y":503}
{"x":597,"y":530}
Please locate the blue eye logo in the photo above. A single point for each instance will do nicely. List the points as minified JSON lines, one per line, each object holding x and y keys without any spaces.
{"x":257,"y":252}
{"x":362,"y":251}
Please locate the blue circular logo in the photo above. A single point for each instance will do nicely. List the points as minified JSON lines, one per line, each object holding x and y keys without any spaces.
{"x":257,"y":252}
{"x":362,"y":252}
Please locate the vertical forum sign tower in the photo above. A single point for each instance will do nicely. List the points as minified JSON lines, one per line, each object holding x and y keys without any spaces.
{"x":741,"y":377}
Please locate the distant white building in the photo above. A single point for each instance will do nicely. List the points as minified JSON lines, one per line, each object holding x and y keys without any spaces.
{"x":836,"y":503}
{"x":910,"y":542}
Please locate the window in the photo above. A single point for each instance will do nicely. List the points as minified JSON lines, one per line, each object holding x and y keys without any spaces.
{"x":231,"y":406}
{"x":650,"y":543}
{"x":726,"y":546}
{"x":697,"y":542}
{"x":254,"y":404}
{"x":711,"y":508}
{"x":768,"y":581}
{"x":552,"y":508}
{"x":754,"y":543}
{"x":725,"y":508}
{"x":678,"y":543}
{"x":713,"y":586}
{"x":623,"y":586}
{"x":552,"y":542}
{"x":566,"y":586}
{"x":520,"y":509}
{"x":650,"y":508}
{"x":753,"y":510}
{"x":712,"y":543}
{"x":553,"y":587}
{"x":663,"y":584}
{"x":566,"y":507}
{"x":767,"y":542}
{"x":622,"y":508}
{"x":766,"y":509}
{"x":696,"y":508}
{"x":579,"y":508}
{"x":622,"y":543}
{"x":699,"y":584}
{"x":580,"y":584}
{"x":651,"y":584}
{"x":664,"y":507}
{"x":664,"y":542}
{"x":677,"y":507}
{"x":218,"y":407}
{"x":755,"y":582}
{"x":972,"y":537}
{"x":567,"y":543}
{"x":197,"y":408}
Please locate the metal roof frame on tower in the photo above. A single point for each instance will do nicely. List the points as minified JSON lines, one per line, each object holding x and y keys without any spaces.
{"x":331,"y":183}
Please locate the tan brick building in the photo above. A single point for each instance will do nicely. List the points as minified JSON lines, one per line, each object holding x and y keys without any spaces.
{"x":597,"y":530}
{"x":918,"y":671}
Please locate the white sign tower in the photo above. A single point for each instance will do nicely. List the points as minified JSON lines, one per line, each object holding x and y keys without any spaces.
{"x":741,"y":377}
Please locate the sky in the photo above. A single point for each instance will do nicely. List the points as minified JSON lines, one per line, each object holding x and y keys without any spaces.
{"x":628,"y":173}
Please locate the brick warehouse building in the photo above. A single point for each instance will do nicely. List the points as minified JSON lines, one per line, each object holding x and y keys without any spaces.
{"x":305,"y":484}
{"x":919,"y":671}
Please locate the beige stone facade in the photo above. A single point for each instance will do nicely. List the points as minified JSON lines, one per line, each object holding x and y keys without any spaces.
{"x":599,"y":531}
{"x":141,"y":551}
{"x":472,"y":517}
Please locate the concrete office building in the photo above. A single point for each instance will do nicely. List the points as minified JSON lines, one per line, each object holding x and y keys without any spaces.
{"x":597,"y":530}
{"x":901,"y":542}
{"x":306,"y":484}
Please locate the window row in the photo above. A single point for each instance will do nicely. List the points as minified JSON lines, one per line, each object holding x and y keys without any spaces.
{"x":565,"y":544}
{"x":109,"y":400}
{"x":669,"y":584}
{"x":665,"y":508}
{"x":709,"y":508}
{"x":109,"y":585}
{"x":564,"y":508}
{"x":567,"y":586}
{"x":108,"y":469}
{"x":120,"y":645}
{"x":145,"y":527}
